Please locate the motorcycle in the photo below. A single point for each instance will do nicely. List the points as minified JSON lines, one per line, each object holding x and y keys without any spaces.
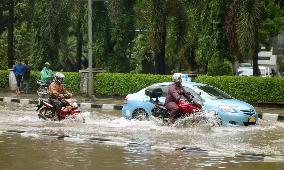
{"x":70,"y":110}
{"x":189,"y":111}
{"x":42,"y":89}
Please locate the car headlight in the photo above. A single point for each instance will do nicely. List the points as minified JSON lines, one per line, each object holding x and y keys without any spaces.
{"x":227,"y":108}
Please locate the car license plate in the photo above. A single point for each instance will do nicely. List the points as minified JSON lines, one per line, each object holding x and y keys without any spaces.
{"x":251,"y":120}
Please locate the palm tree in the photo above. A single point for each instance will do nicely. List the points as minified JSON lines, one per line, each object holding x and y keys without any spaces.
{"x":10,"y":51}
{"x":248,"y":24}
{"x":242,"y":22}
{"x":231,"y":21}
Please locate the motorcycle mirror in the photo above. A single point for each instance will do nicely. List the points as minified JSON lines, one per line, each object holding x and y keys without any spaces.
{"x":199,"y":93}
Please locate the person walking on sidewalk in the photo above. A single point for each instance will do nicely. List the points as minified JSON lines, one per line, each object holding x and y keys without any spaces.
{"x":19,"y":70}
{"x":26,"y":76}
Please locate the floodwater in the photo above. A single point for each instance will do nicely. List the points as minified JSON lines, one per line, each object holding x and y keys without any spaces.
{"x":107,"y":141}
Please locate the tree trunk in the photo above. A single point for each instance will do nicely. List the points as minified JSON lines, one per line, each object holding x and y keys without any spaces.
{"x":79,"y":37}
{"x":160,"y":65}
{"x":159,"y":35}
{"x":10,"y":38}
{"x":255,"y":56}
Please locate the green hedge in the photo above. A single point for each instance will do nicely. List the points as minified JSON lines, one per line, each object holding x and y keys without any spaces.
{"x":250,"y":89}
{"x":4,"y":80}
{"x":122,"y":84}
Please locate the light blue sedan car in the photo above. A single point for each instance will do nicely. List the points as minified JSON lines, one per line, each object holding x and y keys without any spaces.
{"x":229,"y":110}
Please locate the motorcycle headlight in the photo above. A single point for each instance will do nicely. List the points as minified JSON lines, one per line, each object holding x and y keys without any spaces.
{"x":227,"y":108}
{"x":74,"y":104}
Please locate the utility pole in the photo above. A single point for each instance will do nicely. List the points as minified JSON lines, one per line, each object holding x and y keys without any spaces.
{"x":90,"y":50}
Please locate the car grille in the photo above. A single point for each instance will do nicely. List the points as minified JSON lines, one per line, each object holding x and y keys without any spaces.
{"x":248,"y":112}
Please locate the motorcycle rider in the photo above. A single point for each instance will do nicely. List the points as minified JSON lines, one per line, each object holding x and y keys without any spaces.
{"x":57,"y":93}
{"x":175,"y":92}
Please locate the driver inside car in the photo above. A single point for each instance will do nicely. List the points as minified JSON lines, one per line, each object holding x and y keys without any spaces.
{"x":57,"y":93}
{"x":175,"y":92}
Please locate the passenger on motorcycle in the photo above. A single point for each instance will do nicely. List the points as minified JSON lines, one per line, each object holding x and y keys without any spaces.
{"x":175,"y":92}
{"x":57,"y":93}
{"x":46,"y":74}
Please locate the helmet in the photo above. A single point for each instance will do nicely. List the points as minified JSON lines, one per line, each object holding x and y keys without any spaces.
{"x":59,"y":77}
{"x":177,"y":78}
{"x":47,"y":63}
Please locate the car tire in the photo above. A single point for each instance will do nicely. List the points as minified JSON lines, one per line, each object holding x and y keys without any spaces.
{"x":140,"y":114}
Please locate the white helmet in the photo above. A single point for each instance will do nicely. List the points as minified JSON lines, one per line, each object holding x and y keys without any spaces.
{"x":59,"y":77}
{"x":177,"y":77}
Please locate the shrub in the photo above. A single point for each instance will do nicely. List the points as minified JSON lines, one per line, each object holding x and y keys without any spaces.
{"x":250,"y":89}
{"x":122,"y":84}
{"x":4,"y":81}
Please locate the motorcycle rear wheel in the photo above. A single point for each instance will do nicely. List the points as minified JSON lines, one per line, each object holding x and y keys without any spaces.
{"x":45,"y":113}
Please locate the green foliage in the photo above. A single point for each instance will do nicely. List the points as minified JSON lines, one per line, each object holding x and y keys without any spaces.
{"x":139,"y":51}
{"x":4,"y":81}
{"x":250,"y":89}
{"x":178,"y":31}
{"x":122,"y":84}
{"x":122,"y":33}
{"x":208,"y":35}
{"x":219,"y":67}
{"x":51,"y":22}
{"x":273,"y":22}
{"x":72,"y":81}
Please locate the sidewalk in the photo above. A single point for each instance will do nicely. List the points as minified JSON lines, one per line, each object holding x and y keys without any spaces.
{"x":93,"y":102}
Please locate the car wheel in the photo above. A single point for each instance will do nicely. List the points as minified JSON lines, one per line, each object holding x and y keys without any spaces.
{"x":140,"y":114}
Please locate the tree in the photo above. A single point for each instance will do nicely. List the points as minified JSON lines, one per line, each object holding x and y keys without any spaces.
{"x":51,"y":23}
{"x":247,"y":32}
{"x":231,"y":22}
{"x":10,"y":37}
{"x":122,"y":33}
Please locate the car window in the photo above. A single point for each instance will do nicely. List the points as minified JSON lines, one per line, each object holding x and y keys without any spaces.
{"x":212,"y":91}
{"x":187,"y":89}
{"x":195,"y":95}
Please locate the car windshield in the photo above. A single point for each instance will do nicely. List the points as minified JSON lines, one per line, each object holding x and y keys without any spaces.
{"x":212,"y":91}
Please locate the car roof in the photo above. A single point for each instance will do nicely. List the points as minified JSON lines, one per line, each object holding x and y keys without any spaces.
{"x":186,"y":84}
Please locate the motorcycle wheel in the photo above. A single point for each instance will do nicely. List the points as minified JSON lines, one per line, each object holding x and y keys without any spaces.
{"x":140,"y":114}
{"x":44,"y":113}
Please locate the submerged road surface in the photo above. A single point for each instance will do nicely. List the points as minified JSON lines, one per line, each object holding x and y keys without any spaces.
{"x":107,"y":141}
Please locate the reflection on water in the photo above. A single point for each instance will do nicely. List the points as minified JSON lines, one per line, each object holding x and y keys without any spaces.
{"x":107,"y":141}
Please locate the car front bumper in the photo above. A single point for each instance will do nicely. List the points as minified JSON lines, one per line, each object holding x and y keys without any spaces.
{"x":240,"y":119}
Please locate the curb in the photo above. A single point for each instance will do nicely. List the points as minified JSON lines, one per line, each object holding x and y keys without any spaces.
{"x":81,"y":105}
{"x":264,"y":116}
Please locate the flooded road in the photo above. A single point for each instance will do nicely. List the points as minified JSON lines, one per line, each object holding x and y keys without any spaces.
{"x":107,"y":141}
